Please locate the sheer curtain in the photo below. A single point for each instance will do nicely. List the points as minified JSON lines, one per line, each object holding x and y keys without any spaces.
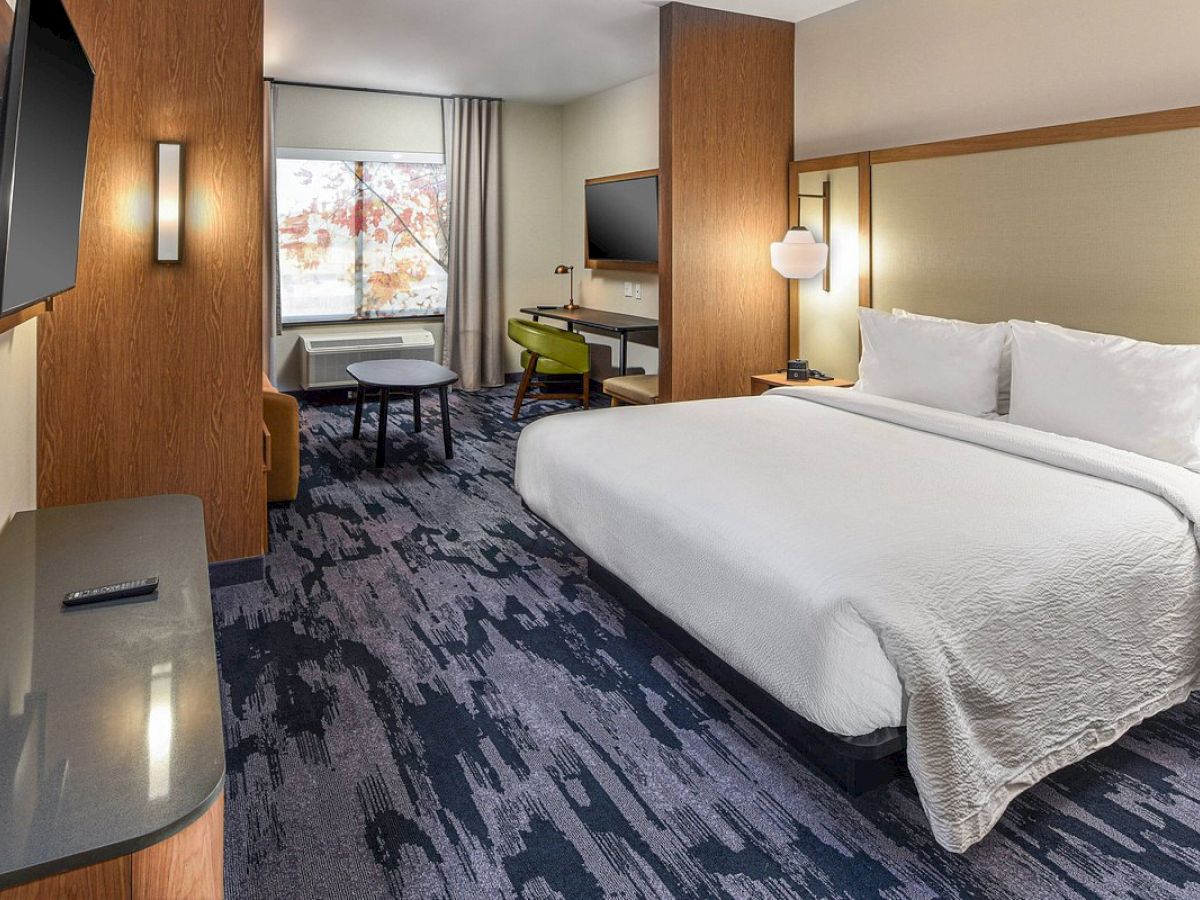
{"x":473,"y":339}
{"x":271,"y":312}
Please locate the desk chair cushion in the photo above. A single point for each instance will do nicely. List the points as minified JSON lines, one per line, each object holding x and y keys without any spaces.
{"x":636,"y":389}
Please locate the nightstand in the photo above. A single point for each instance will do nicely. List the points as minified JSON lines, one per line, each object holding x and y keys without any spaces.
{"x":760,"y":383}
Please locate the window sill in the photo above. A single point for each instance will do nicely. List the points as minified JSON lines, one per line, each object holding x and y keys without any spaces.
{"x":287,"y":324}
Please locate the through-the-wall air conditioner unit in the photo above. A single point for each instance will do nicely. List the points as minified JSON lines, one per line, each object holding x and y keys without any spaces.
{"x":326,"y":358}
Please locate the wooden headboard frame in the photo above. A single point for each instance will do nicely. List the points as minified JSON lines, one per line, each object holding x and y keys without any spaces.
{"x":1095,"y":129}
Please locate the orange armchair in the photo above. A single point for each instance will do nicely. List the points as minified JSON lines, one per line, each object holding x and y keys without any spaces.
{"x":281,"y":416}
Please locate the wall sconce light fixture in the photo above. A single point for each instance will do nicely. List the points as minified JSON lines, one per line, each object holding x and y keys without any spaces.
{"x":564,"y":269}
{"x":798,"y":255}
{"x":168,"y":203}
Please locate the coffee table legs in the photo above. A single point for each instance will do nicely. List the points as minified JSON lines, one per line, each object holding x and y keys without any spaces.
{"x":381,"y":445}
{"x":381,"y":438}
{"x":445,"y":392}
{"x":358,"y":405}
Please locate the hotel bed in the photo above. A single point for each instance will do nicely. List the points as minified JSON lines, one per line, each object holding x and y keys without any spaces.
{"x":1014,"y":598}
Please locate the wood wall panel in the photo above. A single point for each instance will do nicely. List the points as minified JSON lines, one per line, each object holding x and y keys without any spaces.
{"x":726,"y":87}
{"x":108,"y":880}
{"x":150,"y":375}
{"x":187,"y":866}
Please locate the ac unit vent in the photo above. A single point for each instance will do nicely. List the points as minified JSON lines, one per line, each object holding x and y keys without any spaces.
{"x":326,"y":358}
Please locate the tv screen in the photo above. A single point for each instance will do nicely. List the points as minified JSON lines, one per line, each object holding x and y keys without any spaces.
{"x":622,"y":220}
{"x":47,"y":109}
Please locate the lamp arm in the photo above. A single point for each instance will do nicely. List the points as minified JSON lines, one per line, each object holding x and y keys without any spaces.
{"x":826,"y":215}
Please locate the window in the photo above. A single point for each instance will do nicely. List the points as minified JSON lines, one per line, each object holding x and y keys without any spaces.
{"x":361,"y":235}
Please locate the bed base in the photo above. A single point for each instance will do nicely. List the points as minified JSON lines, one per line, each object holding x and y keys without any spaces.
{"x":855,"y":764}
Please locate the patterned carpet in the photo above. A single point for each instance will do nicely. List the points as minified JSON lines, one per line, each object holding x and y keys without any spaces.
{"x":428,"y":699}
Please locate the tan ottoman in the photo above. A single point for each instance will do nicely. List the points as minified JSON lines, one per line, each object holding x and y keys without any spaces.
{"x":635,"y":390}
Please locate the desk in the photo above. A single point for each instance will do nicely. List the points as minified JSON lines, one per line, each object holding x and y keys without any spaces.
{"x":113,"y":754}
{"x":619,"y":324}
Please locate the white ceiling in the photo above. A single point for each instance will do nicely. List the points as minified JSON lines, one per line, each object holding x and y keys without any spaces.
{"x":542,"y":51}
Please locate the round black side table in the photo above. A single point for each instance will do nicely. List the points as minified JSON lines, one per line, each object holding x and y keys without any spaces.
{"x":407,"y":376}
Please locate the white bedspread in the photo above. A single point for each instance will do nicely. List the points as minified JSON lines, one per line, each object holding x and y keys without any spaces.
{"x":1035,"y":595}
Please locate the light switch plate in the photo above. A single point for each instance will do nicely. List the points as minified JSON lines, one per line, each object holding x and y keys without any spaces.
{"x":637,"y":291}
{"x":629,"y":289}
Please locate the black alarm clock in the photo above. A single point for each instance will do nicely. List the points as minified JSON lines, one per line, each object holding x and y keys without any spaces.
{"x":797,"y":370}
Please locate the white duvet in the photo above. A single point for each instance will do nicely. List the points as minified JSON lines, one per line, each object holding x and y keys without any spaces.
{"x":1016,"y":598}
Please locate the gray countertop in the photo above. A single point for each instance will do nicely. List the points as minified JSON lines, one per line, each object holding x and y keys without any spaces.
{"x":110,"y":715}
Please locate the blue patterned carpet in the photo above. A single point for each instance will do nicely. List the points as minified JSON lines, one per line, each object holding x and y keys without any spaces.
{"x":429,"y":699}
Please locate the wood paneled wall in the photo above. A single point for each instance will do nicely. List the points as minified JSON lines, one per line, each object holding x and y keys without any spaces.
{"x":149,"y":374}
{"x":725,"y":143}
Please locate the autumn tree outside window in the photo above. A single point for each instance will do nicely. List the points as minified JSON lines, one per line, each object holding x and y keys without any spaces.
{"x":362,"y":235}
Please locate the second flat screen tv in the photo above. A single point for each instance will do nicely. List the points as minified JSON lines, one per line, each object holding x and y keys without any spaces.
{"x":622,"y":222}
{"x":47,"y":107}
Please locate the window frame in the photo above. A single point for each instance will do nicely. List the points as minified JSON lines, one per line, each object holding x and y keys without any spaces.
{"x":357,"y":158}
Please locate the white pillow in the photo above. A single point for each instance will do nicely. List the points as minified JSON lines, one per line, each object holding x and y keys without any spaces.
{"x":935,"y":362}
{"x":1005,"y":387}
{"x":1132,"y":395}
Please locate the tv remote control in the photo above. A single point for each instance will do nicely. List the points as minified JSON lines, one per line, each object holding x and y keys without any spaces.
{"x":112,"y":592}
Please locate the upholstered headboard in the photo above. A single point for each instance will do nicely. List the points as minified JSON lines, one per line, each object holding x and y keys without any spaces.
{"x":1093,"y":226}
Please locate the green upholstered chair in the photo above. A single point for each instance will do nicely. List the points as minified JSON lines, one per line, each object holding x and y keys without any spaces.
{"x":550,"y":351}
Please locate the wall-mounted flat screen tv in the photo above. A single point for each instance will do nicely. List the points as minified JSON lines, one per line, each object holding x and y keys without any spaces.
{"x":47,"y":111}
{"x":621,"y":214}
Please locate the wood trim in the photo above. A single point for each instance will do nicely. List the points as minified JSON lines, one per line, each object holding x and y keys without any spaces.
{"x":862,"y":162}
{"x":620,"y":265}
{"x":821,"y":163}
{"x":1073,"y":132}
{"x":188,"y":865}
{"x":21,"y":316}
{"x":108,"y":880}
{"x":795,"y":169}
{"x":1091,"y":130}
{"x":624,"y":176}
{"x":666,"y":188}
{"x":866,"y":239}
{"x":266,"y":447}
{"x":617,"y":264}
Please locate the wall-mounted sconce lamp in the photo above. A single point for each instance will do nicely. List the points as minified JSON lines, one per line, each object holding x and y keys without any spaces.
{"x":798,"y":255}
{"x":168,"y":203}
{"x":568,"y":270}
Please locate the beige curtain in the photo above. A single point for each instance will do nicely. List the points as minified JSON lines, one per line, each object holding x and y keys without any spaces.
{"x":271,"y":311}
{"x":473,"y":340}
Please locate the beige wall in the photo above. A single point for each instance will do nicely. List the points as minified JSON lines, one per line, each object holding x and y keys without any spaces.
{"x":880,"y":73}
{"x":18,"y":413}
{"x":605,"y":134}
{"x":531,"y":161}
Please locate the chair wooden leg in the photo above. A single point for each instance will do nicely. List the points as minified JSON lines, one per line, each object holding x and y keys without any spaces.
{"x":613,"y":402}
{"x":587,"y":391}
{"x":526,"y":377}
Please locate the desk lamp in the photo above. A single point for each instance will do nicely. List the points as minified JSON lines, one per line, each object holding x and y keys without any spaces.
{"x":568,"y":270}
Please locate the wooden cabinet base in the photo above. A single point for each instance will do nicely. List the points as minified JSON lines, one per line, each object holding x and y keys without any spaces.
{"x":186,"y":866}
{"x":109,"y":879}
